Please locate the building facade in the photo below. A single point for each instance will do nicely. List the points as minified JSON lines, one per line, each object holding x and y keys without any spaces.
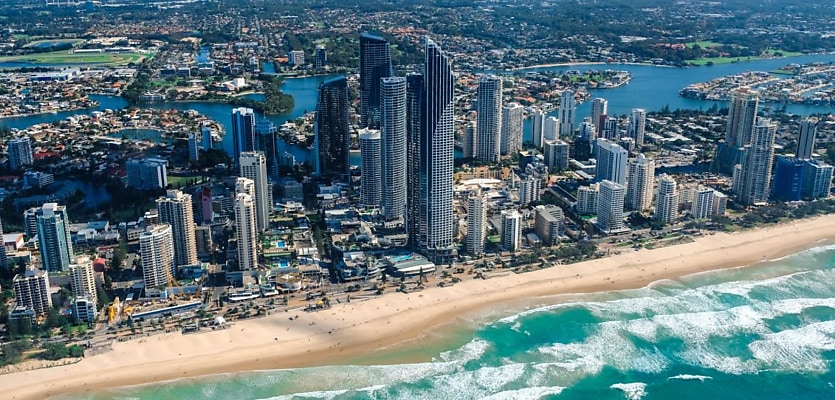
{"x":253,"y":165}
{"x":488,"y":118}
{"x":147,"y":173}
{"x":476,"y":225}
{"x":375,"y":64}
{"x":511,"y":230}
{"x":611,"y":162}
{"x":666,"y":207}
{"x":176,"y":210}
{"x":610,"y":206}
{"x":371,"y":193}
{"x":246,"y":230}
{"x":513,"y":116}
{"x":393,"y":147}
{"x":332,"y":128}
{"x":20,"y":152}
{"x":243,"y":132}
{"x":156,"y":249}
{"x":548,"y":225}
{"x":639,"y":188}
{"x":54,"y":239}
{"x":31,"y":289}
{"x":568,"y":113}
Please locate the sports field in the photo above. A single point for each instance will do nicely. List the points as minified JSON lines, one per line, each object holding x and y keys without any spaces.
{"x":67,"y":57}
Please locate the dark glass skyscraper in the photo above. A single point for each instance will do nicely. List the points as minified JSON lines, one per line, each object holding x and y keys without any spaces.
{"x":436,"y":156}
{"x":375,"y":64}
{"x":243,"y":132}
{"x":414,"y":102}
{"x":332,"y":128}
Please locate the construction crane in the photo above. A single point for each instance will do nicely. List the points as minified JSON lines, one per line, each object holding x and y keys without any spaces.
{"x":172,"y":283}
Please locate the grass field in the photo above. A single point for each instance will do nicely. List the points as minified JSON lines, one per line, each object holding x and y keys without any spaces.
{"x":703,"y":44}
{"x":67,"y":57}
{"x":728,"y":60}
{"x":181,"y":181}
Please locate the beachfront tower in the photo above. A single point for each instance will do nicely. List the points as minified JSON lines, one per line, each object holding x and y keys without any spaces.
{"x":254,"y":167}
{"x":83,"y":279}
{"x":20,"y":152}
{"x":548,"y":224}
{"x":611,"y":162}
{"x":640,"y":184}
{"x":414,"y":122}
{"x":513,"y":116}
{"x":511,"y":230}
{"x":332,"y":140}
{"x":757,"y":161}
{"x":31,"y":289}
{"x":599,"y":109}
{"x":806,"y":139}
{"x":371,"y":184}
{"x":246,"y":231}
{"x":476,"y":224}
{"x":176,"y":209}
{"x":243,"y":131}
{"x":4,"y":261}
{"x":666,"y":206}
{"x":436,"y":156}
{"x":488,"y":118}
{"x":375,"y":64}
{"x":568,"y":113}
{"x":156,"y":249}
{"x":393,"y":147}
{"x":637,"y":126}
{"x":54,"y":239}
{"x":610,"y":206}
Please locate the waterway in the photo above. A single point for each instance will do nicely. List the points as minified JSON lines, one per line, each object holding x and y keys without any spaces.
{"x":651,"y":88}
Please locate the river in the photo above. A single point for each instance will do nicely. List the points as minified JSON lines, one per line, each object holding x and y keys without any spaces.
{"x":651,"y":88}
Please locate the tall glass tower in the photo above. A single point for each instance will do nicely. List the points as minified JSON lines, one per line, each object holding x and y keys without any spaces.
{"x":375,"y":64}
{"x":393,"y":136}
{"x":436,"y":153}
{"x":414,"y":104}
{"x":332,"y":128}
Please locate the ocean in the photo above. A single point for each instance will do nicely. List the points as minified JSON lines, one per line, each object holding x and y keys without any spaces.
{"x":762,"y":332}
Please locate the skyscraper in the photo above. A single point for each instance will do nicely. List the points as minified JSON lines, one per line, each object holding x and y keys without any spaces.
{"x":371,"y":183}
{"x":587,"y":199}
{"x":511,"y":230}
{"x":599,"y":108}
{"x":568,"y":111}
{"x":513,"y":116}
{"x":667,"y":203}
{"x":788,"y":179}
{"x":83,"y":280}
{"x":529,"y":190}
{"x":156,"y":249}
{"x":640,"y":183}
{"x":147,"y":173}
{"x":538,"y":126}
{"x":437,"y":151}
{"x":488,"y":118}
{"x":817,"y":179}
{"x":175,"y":209}
{"x":4,"y":261}
{"x":806,"y":139}
{"x":637,"y":126}
{"x":757,"y":163}
{"x":393,"y":146}
{"x":375,"y":64}
{"x":470,"y":139}
{"x":254,"y":166}
{"x":333,"y":128}
{"x":268,"y":139}
{"x":31,"y":289}
{"x":54,"y":239}
{"x":476,"y":224}
{"x":243,"y":132}
{"x":551,"y":131}
{"x":193,"y":147}
{"x":611,"y":162}
{"x":246,"y":231}
{"x":742,"y":114}
{"x":556,"y":155}
{"x":703,"y":202}
{"x":320,"y":57}
{"x":20,"y":152}
{"x":610,"y":206}
{"x":548,"y":224}
{"x":414,"y":131}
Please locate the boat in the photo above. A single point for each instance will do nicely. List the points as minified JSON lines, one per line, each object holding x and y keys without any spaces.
{"x":243,"y":296}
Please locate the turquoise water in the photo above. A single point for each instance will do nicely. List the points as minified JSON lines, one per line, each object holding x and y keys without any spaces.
{"x":766,"y":332}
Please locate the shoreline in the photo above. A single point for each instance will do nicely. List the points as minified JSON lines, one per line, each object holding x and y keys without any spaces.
{"x":394,"y":321}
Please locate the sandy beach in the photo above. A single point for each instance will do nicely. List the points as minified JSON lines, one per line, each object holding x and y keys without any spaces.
{"x":349,"y":330}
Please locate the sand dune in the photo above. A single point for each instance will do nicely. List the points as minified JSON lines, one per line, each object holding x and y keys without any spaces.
{"x":352,"y":329}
